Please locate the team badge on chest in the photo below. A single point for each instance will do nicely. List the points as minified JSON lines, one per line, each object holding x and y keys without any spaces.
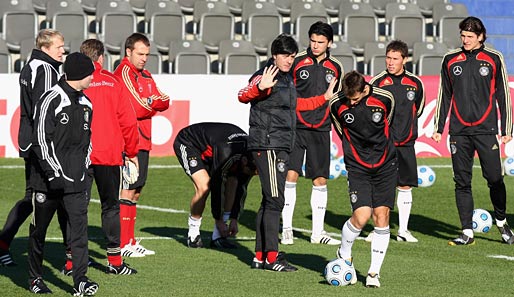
{"x":377,"y":116}
{"x":484,"y":71}
{"x":329,"y":77}
{"x":411,"y":95}
{"x":40,"y":198}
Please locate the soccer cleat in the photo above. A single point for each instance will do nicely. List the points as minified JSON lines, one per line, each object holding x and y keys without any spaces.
{"x":406,"y":236}
{"x":324,"y":238}
{"x":462,"y":240}
{"x":123,"y":269}
{"x":507,"y":235}
{"x":129,"y":251}
{"x":222,"y":243}
{"x":369,"y":238}
{"x":372,"y":280}
{"x":256,"y":264}
{"x":196,"y":243}
{"x":141,"y":249}
{"x":6,"y":259}
{"x":38,"y":286}
{"x":85,"y":288}
{"x":287,"y":236}
{"x":66,"y":272}
{"x":280,"y":266}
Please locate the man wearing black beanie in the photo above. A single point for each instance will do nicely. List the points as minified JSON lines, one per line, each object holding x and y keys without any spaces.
{"x":61,"y":142}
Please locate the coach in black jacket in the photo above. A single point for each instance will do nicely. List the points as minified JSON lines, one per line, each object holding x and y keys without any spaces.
{"x":61,"y":142}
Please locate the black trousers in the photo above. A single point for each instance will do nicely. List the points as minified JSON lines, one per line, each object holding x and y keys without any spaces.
{"x":45,"y":206}
{"x":272,"y":167}
{"x":463,"y":148}
{"x":107,"y":179}
{"x":21,"y":211}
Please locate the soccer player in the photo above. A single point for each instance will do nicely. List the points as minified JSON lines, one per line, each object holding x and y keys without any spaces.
{"x":312,"y":71}
{"x":214,"y":156}
{"x":61,"y":142}
{"x":146,"y":100}
{"x":114,"y":132}
{"x":409,"y":95}
{"x":361,"y":115}
{"x":272,"y":95}
{"x":474,"y":82}
{"x":36,"y":77}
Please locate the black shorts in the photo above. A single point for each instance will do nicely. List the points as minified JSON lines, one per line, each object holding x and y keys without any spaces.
{"x":190,"y":158}
{"x":315,"y":146}
{"x":373,"y":189}
{"x":143,"y":158}
{"x":407,"y":166}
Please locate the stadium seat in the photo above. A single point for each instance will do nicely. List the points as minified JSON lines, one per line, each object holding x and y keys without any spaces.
{"x":451,"y":11}
{"x":449,"y":31}
{"x":189,"y":57}
{"x":379,"y":6}
{"x":332,"y":6}
{"x":429,"y":65}
{"x":214,"y":23}
{"x":283,"y":6}
{"x":5,"y":58}
{"x":67,"y":17}
{"x":342,"y":51}
{"x":153,"y":62}
{"x":302,"y":16}
{"x":374,"y":57}
{"x":166,"y":23}
{"x":17,"y":26}
{"x":18,"y":5}
{"x":405,"y":22}
{"x":40,"y":6}
{"x":360,"y":25}
{"x":237,"y":57}
{"x":187,"y":6}
{"x":138,"y":6}
{"x":261,"y":23}
{"x":89,"y":6}
{"x":427,"y":6}
{"x":236,"y":6}
{"x":426,"y":50}
{"x":117,"y":21}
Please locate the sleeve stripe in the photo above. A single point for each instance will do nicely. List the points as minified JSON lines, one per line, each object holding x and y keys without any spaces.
{"x":128,"y":82}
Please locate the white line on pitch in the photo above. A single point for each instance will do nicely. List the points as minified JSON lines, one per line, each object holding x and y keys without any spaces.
{"x":508,"y":258}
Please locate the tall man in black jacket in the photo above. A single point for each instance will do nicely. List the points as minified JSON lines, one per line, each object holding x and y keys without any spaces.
{"x":37,"y":76}
{"x":62,"y":145}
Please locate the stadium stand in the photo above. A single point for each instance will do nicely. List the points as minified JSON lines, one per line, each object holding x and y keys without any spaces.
{"x":261,"y":23}
{"x":427,"y":56}
{"x":374,"y":57}
{"x":360,"y":25}
{"x":302,"y":16}
{"x":405,"y":22}
{"x":165,"y":23}
{"x":5,"y":58}
{"x":237,"y":57}
{"x":116,"y":21}
{"x":342,"y":51}
{"x":189,"y":57}
{"x":213,"y":23}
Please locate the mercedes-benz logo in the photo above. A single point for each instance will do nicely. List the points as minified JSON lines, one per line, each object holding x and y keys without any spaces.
{"x":64,"y":118}
{"x":457,"y":70}
{"x":304,"y":74}
{"x":348,"y":118}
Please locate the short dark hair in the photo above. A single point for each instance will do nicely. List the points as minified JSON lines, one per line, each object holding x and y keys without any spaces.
{"x":352,"y":83}
{"x":475,"y":25}
{"x":93,"y":48}
{"x":284,"y":44}
{"x":323,"y":29}
{"x":136,"y":37}
{"x":398,"y":46}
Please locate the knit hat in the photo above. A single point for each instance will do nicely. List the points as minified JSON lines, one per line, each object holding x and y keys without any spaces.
{"x":78,"y":66}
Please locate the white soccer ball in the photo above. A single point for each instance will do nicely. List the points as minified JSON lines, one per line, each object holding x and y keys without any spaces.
{"x":508,"y":165}
{"x":342,"y":166}
{"x":482,"y":220}
{"x":335,"y":169}
{"x":339,"y":273}
{"x":426,"y":176}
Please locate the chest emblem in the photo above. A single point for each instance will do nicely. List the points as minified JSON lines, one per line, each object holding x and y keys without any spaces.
{"x":484,"y":71}
{"x":411,"y":95}
{"x":64,"y":118}
{"x":304,"y":74}
{"x":377,"y":116}
{"x":457,"y":70}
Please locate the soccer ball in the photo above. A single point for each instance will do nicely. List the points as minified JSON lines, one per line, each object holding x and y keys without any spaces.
{"x":342,"y":166}
{"x":335,"y":169}
{"x":482,"y":220}
{"x":426,"y":176}
{"x":508,"y":165}
{"x":339,"y":273}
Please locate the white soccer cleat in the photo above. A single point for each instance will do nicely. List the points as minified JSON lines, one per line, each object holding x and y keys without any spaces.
{"x":141,"y":249}
{"x":324,"y":238}
{"x":406,"y":236}
{"x":129,"y":251}
{"x":287,"y":236}
{"x":372,"y":280}
{"x":369,"y":238}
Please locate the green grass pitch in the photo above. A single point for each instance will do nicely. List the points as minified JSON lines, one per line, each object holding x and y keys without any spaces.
{"x":427,"y":268}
